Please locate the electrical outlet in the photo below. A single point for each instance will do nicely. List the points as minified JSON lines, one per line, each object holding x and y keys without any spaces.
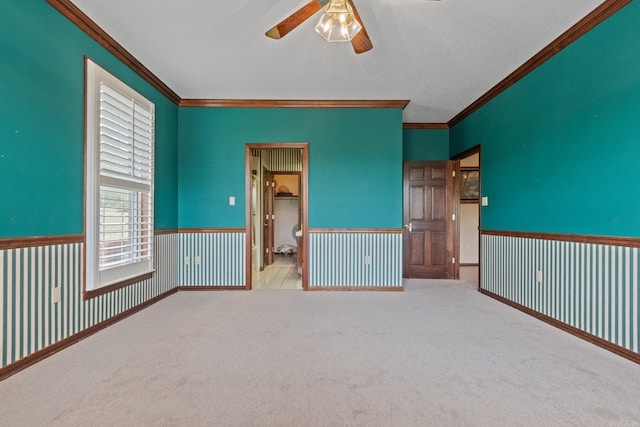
{"x":539,"y":276}
{"x":367,"y":260}
{"x":196,"y":260}
{"x":56,"y":295}
{"x":186,"y":260}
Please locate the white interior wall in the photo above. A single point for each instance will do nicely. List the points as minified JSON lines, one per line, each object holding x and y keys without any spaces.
{"x":469,"y":233}
{"x":286,"y":211}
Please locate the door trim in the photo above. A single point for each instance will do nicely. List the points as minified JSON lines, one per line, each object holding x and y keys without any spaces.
{"x":476,"y":149}
{"x":304,"y":204}
{"x":267,"y":193}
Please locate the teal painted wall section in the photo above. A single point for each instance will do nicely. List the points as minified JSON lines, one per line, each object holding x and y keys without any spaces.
{"x":425,"y":144}
{"x":42,"y":126}
{"x":355,"y":165}
{"x":561,"y":148}
{"x":166,"y":177}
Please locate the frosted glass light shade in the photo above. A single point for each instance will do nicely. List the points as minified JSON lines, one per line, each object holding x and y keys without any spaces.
{"x":338,"y":23}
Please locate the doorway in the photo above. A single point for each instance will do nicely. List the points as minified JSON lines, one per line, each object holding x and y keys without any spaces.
{"x":470,"y":211}
{"x":277,"y":215}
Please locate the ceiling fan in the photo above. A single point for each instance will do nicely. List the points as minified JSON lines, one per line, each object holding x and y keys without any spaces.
{"x":340,"y":22}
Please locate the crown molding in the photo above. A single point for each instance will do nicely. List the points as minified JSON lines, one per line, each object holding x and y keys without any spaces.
{"x":586,"y":24}
{"x":93,"y":30}
{"x":290,"y":103}
{"x":425,"y":126}
{"x":86,"y":24}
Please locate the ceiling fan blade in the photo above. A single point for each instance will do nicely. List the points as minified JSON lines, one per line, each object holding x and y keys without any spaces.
{"x":361,"y":42}
{"x":296,"y":18}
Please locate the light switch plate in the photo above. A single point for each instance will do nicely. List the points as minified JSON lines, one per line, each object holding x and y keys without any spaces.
{"x":232,"y":201}
{"x":485,"y":201}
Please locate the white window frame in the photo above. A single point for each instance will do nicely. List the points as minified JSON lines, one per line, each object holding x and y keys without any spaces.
{"x":96,"y":277}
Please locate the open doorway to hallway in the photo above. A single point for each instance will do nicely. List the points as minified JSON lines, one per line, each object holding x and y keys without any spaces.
{"x":469,"y":211}
{"x":277,"y":202}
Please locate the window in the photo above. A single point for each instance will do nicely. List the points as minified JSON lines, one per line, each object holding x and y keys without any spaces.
{"x":119,"y":188}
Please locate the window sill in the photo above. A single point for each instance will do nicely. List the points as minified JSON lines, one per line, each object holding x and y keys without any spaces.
{"x":87,"y":295}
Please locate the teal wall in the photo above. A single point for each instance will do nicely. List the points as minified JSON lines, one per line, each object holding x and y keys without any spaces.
{"x":561,"y":148}
{"x":355,"y":165}
{"x":425,"y":144}
{"x":41,"y":130}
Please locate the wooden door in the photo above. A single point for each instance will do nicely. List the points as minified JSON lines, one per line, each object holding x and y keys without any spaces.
{"x":268,"y":217}
{"x":429,"y":207}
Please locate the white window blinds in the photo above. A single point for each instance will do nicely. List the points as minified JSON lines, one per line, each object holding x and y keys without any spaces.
{"x":126,"y":138}
{"x":120,"y":174}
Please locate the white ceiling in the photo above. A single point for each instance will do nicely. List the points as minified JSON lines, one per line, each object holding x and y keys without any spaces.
{"x":441,"y":55}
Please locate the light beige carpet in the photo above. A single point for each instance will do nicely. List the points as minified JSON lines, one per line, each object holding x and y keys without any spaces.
{"x":439,"y":354}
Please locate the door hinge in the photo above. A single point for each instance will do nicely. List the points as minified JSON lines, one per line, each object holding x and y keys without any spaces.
{"x":267,"y":250}
{"x":273,"y":217}
{"x":454,"y":174}
{"x":273,"y":184}
{"x":266,"y":217}
{"x":453,"y":217}
{"x":453,"y":260}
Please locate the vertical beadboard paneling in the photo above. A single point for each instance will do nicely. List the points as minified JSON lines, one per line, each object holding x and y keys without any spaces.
{"x":337,"y":259}
{"x":31,"y":321}
{"x":285,"y":160}
{"x":592,"y":287}
{"x":222,"y":259}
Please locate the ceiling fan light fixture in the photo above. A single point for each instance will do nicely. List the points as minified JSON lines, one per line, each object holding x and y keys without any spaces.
{"x":338,"y":22}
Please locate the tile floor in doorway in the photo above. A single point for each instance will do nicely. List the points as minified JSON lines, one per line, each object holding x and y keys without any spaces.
{"x":282,"y":274}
